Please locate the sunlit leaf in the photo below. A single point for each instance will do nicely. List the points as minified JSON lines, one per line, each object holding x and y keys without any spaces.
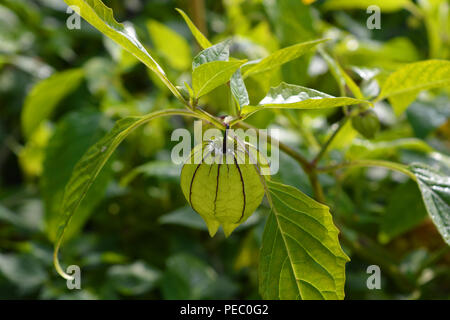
{"x":238,"y":89}
{"x":435,"y":189}
{"x":297,"y":97}
{"x":201,"y":39}
{"x":301,"y":257}
{"x":101,"y":17}
{"x":384,"y":5}
{"x":45,"y":96}
{"x":363,"y":149}
{"x":281,"y":56}
{"x":217,"y":52}
{"x":209,"y":76}
{"x":402,"y":86}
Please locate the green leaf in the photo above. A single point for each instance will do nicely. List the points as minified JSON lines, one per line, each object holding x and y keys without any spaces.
{"x":426,"y":116}
{"x":89,"y":166}
{"x":301,"y":257}
{"x":133,"y":279}
{"x":24,"y":270}
{"x":404,"y":211}
{"x":297,"y":97}
{"x":170,"y":45}
{"x":363,"y":149}
{"x":238,"y":89}
{"x":209,"y":76}
{"x":101,"y":17}
{"x":217,"y":52}
{"x":184,"y":216}
{"x":74,"y":134}
{"x":45,"y":96}
{"x":385,"y":5}
{"x":435,"y":189}
{"x":165,"y":170}
{"x":201,"y":39}
{"x":281,"y":56}
{"x":188,"y":277}
{"x":402,"y":86}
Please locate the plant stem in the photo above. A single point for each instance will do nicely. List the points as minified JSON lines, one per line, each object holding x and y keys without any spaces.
{"x":317,"y":188}
{"x":370,"y":163}
{"x":198,"y":15}
{"x":328,"y":142}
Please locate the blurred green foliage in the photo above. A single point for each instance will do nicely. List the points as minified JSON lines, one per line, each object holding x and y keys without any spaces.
{"x":134,"y":236}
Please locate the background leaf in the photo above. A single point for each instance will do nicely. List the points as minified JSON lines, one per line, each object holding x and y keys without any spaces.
{"x":72,"y":137}
{"x":170,"y":45}
{"x":404,"y":211}
{"x":45,"y":96}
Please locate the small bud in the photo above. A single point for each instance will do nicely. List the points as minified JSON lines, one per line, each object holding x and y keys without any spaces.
{"x":366,"y":123}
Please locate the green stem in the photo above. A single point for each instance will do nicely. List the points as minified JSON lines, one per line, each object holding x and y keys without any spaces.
{"x":304,"y":163}
{"x":308,"y":136}
{"x":317,"y":188}
{"x":369,"y":163}
{"x":328,"y":142}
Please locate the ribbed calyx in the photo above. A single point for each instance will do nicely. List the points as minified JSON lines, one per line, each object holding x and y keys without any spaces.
{"x":223,"y":184}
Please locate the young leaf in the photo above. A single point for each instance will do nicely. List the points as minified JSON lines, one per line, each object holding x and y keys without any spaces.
{"x":45,"y":96}
{"x":402,"y":86}
{"x":209,"y":76}
{"x":90,"y":165}
{"x":238,"y":89}
{"x":217,"y":52}
{"x":171,"y":46}
{"x":298,"y":97}
{"x":101,"y":17}
{"x":435,"y":189}
{"x":281,"y":56}
{"x":301,"y":257}
{"x":201,"y":39}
